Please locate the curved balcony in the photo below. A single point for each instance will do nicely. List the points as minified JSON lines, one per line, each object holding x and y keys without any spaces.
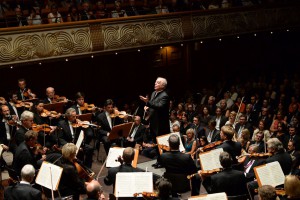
{"x":22,"y":45}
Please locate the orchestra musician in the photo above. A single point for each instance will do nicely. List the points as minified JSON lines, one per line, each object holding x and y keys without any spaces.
{"x":50,"y":96}
{"x":7,"y":129}
{"x":25,"y":153}
{"x":232,"y":147}
{"x":13,"y":101}
{"x":23,"y":92}
{"x":70,"y":182}
{"x":127,"y":157}
{"x":178,"y":165}
{"x":267,"y":192}
{"x":69,"y":134}
{"x":230,"y":181}
{"x":158,"y":107}
{"x":24,"y":190}
{"x":107,"y":120}
{"x":26,"y":124}
{"x":136,"y":134}
{"x":94,"y":191}
{"x":80,"y":104}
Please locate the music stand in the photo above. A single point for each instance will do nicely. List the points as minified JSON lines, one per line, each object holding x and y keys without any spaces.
{"x":121,"y":130}
{"x":85,"y":117}
{"x":58,"y":107}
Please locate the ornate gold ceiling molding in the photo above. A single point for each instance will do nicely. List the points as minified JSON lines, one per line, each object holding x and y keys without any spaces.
{"x":44,"y":44}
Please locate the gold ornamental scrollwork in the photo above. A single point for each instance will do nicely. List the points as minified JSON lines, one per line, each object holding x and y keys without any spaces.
{"x":44,"y":44}
{"x":143,"y":33}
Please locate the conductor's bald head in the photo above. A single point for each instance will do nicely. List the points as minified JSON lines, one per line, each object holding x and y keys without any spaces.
{"x":93,"y":190}
{"x":128,"y":155}
{"x":174,"y":142}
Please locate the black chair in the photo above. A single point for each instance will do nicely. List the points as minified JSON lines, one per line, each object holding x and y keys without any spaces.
{"x":180,"y":183}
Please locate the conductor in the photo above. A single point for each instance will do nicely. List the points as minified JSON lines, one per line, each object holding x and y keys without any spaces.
{"x":158,"y":107}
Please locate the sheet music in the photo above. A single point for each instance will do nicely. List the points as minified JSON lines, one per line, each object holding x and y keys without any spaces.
{"x":79,"y":141}
{"x":210,"y":160}
{"x":44,"y":176}
{"x":133,"y":182}
{"x":163,"y":139}
{"x":215,"y":196}
{"x":113,"y":155}
{"x":270,"y":174}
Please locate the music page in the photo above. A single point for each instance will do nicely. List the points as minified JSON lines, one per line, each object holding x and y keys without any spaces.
{"x":210,"y":160}
{"x":113,"y":155}
{"x":163,"y":139}
{"x":269,"y":174}
{"x":49,"y":173}
{"x":215,"y":196}
{"x":79,"y":141}
{"x":133,"y":182}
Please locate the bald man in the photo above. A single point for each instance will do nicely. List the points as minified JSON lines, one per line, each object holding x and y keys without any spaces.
{"x":93,"y":191}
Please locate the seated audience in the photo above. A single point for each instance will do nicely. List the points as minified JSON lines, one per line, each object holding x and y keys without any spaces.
{"x":54,"y":16}
{"x":34,"y":18}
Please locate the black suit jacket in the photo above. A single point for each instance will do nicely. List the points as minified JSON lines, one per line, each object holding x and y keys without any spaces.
{"x":250,"y":175}
{"x":138,"y":137}
{"x":215,"y":135}
{"x":22,"y":157}
{"x":199,"y":131}
{"x":233,"y":148}
{"x":101,"y":120}
{"x":246,"y":126}
{"x":3,"y":136}
{"x":230,"y":181}
{"x":159,"y":113}
{"x":284,"y":159}
{"x":65,"y":134}
{"x":20,"y":135}
{"x":223,"y":120}
{"x":261,"y":146}
{"x":22,"y":191}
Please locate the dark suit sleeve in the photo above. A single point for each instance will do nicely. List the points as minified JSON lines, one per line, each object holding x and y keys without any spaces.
{"x":111,"y":176}
{"x":139,"y":137}
{"x":163,"y":101}
{"x":19,"y":138}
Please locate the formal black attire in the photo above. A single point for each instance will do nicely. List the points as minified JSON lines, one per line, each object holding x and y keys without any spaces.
{"x":138,"y":132}
{"x":267,"y":120}
{"x":223,"y":121}
{"x":178,"y":165}
{"x":261,"y":146}
{"x":16,"y":111}
{"x":230,"y":181}
{"x":20,"y":135}
{"x":70,"y":182}
{"x":215,"y":135}
{"x":296,"y":140}
{"x":199,"y":131}
{"x":245,"y":126}
{"x":233,"y":148}
{"x":110,"y":179}
{"x":101,"y":120}
{"x":3,"y":135}
{"x":251,"y":163}
{"x":184,"y":129}
{"x":159,"y":113}
{"x":22,"y":191}
{"x":65,"y":136}
{"x":23,"y":156}
{"x":284,"y":159}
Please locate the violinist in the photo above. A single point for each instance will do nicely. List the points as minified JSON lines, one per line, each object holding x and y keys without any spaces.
{"x":51,"y":97}
{"x":228,"y":145}
{"x":70,"y":182}
{"x":250,"y":162}
{"x":26,"y":124}
{"x":128,"y":156}
{"x":25,"y":154}
{"x":107,"y":120}
{"x":8,"y":126}
{"x":70,"y":133}
{"x":43,"y":116}
{"x":23,"y":92}
{"x":80,"y":106}
{"x":49,"y":132}
{"x":13,"y":102}
{"x":230,"y":181}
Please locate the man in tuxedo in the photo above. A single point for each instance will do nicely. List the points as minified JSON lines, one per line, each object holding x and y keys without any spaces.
{"x":213,"y":134}
{"x":25,"y":154}
{"x":178,"y":165}
{"x":243,"y":124}
{"x":232,"y":147}
{"x":26,"y":124}
{"x":251,"y":162}
{"x":24,"y":190}
{"x":158,"y":107}
{"x":259,"y":142}
{"x":294,"y":137}
{"x":107,"y":120}
{"x":136,"y":134}
{"x":128,"y":156}
{"x":199,"y":129}
{"x":7,"y":131}
{"x":69,"y":134}
{"x":230,"y":181}
{"x":219,"y":118}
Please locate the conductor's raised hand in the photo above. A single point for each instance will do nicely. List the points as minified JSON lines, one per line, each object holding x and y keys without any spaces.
{"x":144,"y":99}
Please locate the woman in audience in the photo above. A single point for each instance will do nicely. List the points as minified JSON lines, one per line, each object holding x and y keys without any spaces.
{"x":277,"y":118}
{"x":190,"y":143}
{"x":73,"y":14}
{"x":205,"y":116}
{"x":33,"y":18}
{"x":245,"y":139}
{"x":54,"y":16}
{"x":261,"y":128}
{"x":184,"y":125}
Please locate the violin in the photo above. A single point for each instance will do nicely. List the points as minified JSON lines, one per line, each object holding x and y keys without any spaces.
{"x":151,"y":195}
{"x":242,"y":158}
{"x":13,"y":120}
{"x":38,"y":149}
{"x":28,"y":94}
{"x":57,"y":99}
{"x":205,"y":173}
{"x":52,"y":114}
{"x":21,"y":104}
{"x":89,"y":107}
{"x":120,"y":114}
{"x":42,"y":127}
{"x":164,"y":147}
{"x":212,"y":145}
{"x":83,"y":124}
{"x":88,"y":177}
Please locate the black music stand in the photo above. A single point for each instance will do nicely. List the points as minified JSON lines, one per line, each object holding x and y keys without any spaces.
{"x":120,"y":132}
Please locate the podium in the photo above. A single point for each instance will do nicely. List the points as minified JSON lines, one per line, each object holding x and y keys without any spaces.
{"x":119,"y":131}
